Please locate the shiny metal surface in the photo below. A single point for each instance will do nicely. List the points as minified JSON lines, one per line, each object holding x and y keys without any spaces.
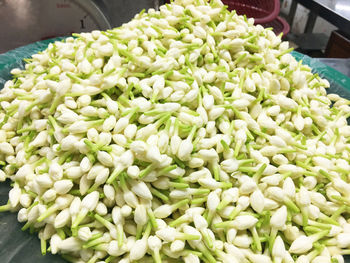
{"x":26,"y":21}
{"x":336,"y":12}
{"x":341,"y":7}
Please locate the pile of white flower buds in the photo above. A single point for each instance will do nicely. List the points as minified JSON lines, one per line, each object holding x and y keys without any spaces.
{"x":186,"y":135}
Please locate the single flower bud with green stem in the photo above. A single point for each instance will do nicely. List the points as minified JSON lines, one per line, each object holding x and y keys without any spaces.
{"x":60,"y":203}
{"x":140,"y":247}
{"x":88,"y":204}
{"x":228,"y":196}
{"x":129,"y":196}
{"x":155,"y":244}
{"x":202,"y":225}
{"x":304,"y":243}
{"x":165,"y":210}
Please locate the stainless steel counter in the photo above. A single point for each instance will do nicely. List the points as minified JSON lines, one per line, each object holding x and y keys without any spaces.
{"x":336,"y":12}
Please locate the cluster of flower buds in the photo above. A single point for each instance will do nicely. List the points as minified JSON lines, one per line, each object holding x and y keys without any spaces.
{"x":187,"y":134}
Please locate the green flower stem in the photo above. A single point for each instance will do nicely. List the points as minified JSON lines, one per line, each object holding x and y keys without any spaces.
{"x":94,"y":241}
{"x":168,"y":169}
{"x":238,"y":146}
{"x":178,"y":185}
{"x":95,"y":236}
{"x":224,"y":202}
{"x":250,"y":136}
{"x":93,"y":259}
{"x":179,"y":204}
{"x":299,"y":146}
{"x":93,"y":188}
{"x":52,"y":209}
{"x":225,"y":146}
{"x":286,"y":150}
{"x":80,"y":217}
{"x":104,"y":222}
{"x":202,"y":248}
{"x":291,"y":205}
{"x":120,"y":235}
{"x":319,"y":225}
{"x":156,"y":256}
{"x":148,"y":230}
{"x":247,"y":169}
{"x":272,"y":238}
{"x":198,"y":201}
{"x":4,"y":120}
{"x":328,"y":219}
{"x":303,"y":165}
{"x":255,"y":58}
{"x":11,"y":110}
{"x":26,"y":129}
{"x":146,"y":171}
{"x":225,"y":224}
{"x":152,"y":218}
{"x":305,"y":215}
{"x":152,"y":112}
{"x":179,"y":163}
{"x":33,"y":204}
{"x":325,"y":174}
{"x":256,"y":239}
{"x":178,"y":221}
{"x":6,"y":207}
{"x":40,"y":162}
{"x":130,"y":112}
{"x":206,"y":238}
{"x":216,"y":171}
{"x":315,"y":129}
{"x":259,"y":172}
{"x":285,"y":52}
{"x":260,"y":95}
{"x":318,"y":249}
{"x":122,"y":182}
{"x":27,"y":140}
{"x":345,"y":251}
{"x":235,"y":212}
{"x":139,"y":230}
{"x":184,"y":236}
{"x":114,"y":175}
{"x":43,"y":246}
{"x":159,"y":194}
{"x":200,"y":191}
{"x":341,"y":199}
{"x":64,"y":157}
{"x":240,"y":58}
{"x":26,"y":226}
{"x":162,"y":120}
{"x":312,"y":229}
{"x":125,"y":101}
{"x":308,"y":173}
{"x":339,"y":211}
{"x":54,"y":104}
{"x":194,"y":252}
{"x":317,"y":236}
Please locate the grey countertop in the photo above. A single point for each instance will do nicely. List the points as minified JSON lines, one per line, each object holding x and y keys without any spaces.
{"x":340,"y":64}
{"x":336,"y":12}
{"x":340,"y":7}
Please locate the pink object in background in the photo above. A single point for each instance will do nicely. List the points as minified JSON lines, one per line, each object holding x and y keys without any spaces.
{"x":279,"y":25}
{"x":264,"y":12}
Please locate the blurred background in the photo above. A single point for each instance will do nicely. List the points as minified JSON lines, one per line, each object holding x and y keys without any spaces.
{"x":318,"y":28}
